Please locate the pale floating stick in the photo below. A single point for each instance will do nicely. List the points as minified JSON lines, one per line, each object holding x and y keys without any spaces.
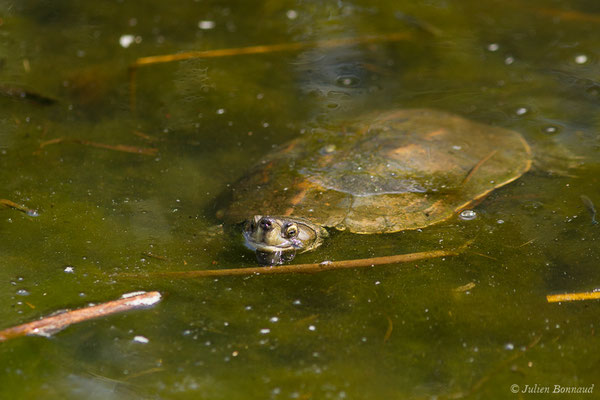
{"x":148,"y":151}
{"x":465,"y":288}
{"x":555,"y":298}
{"x":308,"y":268}
{"x":260,"y":49}
{"x":15,"y":206}
{"x":50,"y":325}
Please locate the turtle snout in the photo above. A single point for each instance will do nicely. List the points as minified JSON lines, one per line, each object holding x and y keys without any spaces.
{"x":266,"y":224}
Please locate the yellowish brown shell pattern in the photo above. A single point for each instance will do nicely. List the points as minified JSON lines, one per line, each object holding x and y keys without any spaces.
{"x":404,"y":169}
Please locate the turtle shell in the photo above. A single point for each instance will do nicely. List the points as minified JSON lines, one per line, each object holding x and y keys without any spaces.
{"x":403,"y":169}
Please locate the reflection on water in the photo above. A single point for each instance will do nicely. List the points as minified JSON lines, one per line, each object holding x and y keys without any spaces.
{"x":468,"y":326}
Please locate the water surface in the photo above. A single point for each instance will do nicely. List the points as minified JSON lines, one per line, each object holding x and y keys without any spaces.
{"x":410,"y":331}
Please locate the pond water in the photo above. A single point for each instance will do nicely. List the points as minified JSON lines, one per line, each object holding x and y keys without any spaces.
{"x":468,"y":326}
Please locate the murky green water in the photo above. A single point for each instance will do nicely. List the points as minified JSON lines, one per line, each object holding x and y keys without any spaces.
{"x":385,"y":333}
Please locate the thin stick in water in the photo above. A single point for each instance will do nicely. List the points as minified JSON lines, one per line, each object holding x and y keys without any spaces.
{"x":270,"y":48}
{"x":148,"y":151}
{"x":555,"y":298}
{"x":260,"y":49}
{"x":307,"y":268}
{"x":48,"y":326}
{"x":15,"y":206}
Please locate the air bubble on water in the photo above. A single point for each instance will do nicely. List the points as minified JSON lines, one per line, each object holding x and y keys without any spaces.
{"x":509,"y":346}
{"x":32,"y":213}
{"x":297,"y":302}
{"x":493,"y":47}
{"x":550,"y":129}
{"x":347,"y":81}
{"x":312,"y":328}
{"x":126,"y":40}
{"x":500,"y":221}
{"x":221,"y":111}
{"x":141,"y":339}
{"x":521,"y":111}
{"x":292,"y":14}
{"x":69,"y":269}
{"x":509,"y":60}
{"x":206,"y":25}
{"x":22,"y":292}
{"x":264,"y":331}
{"x":467,"y":215}
{"x":581,"y":59}
{"x":274,"y":319}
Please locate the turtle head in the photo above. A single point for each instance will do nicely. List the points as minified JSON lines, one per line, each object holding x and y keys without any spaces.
{"x":278,"y":239}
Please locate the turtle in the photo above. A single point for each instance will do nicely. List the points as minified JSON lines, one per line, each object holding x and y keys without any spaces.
{"x":384,"y":172}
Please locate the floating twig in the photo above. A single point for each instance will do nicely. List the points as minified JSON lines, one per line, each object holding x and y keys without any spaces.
{"x":151,"y":255}
{"x":260,"y":49}
{"x":15,"y":206}
{"x":50,"y":325}
{"x":526,"y":243}
{"x":464,"y":288}
{"x":145,"y":136}
{"x":389,"y":330}
{"x":308,"y":268}
{"x":555,"y":298}
{"x":148,"y":151}
{"x":271,"y":48}
{"x":485,"y":255}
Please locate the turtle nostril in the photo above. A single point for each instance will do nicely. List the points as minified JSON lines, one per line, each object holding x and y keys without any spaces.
{"x":266,"y":224}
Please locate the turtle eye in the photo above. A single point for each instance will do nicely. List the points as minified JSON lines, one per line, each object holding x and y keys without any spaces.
{"x":291,"y":230}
